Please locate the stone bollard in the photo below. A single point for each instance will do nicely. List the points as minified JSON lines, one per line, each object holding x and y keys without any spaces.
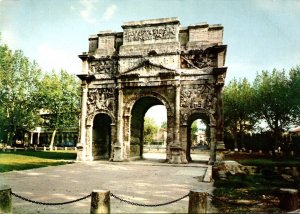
{"x":197,"y":202}
{"x":66,"y":148}
{"x":55,"y":148}
{"x":15,"y":149}
{"x":100,"y":201}
{"x":45,"y":149}
{"x":5,"y":200}
{"x":288,"y":199}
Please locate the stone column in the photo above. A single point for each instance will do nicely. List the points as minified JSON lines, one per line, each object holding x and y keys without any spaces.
{"x":113,"y":140}
{"x":81,"y":146}
{"x":177,"y":115}
{"x":31,"y":138}
{"x":220,"y":118}
{"x":89,"y":142}
{"x":213,"y":143}
{"x":118,"y":147}
{"x":38,"y":138}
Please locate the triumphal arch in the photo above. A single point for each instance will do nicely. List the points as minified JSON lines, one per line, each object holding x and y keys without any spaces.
{"x":152,"y":62}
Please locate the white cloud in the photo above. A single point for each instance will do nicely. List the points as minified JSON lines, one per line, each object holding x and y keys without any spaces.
{"x":109,"y":12}
{"x":89,"y":11}
{"x":7,"y":37}
{"x":50,"y":58}
{"x":88,"y":7}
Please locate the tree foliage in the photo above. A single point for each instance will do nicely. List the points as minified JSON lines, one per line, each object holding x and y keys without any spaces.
{"x":19,"y":80}
{"x":26,"y":91}
{"x":239,"y":108}
{"x":150,"y":129}
{"x":59,"y":98}
{"x":276,"y":100}
{"x":273,"y":98}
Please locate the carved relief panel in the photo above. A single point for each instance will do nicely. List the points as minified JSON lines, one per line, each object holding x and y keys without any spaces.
{"x":103,"y":67}
{"x":198,"y":59}
{"x":100,"y":99}
{"x":147,"y":33}
{"x":199,"y":96}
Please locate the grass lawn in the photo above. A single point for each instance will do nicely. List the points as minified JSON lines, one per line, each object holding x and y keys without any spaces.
{"x":21,"y":160}
{"x":263,"y":160}
{"x":260,"y":190}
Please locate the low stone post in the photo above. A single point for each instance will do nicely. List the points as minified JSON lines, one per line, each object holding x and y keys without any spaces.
{"x":45,"y":149}
{"x":197,"y":202}
{"x":5,"y":200}
{"x":100,"y":201}
{"x":288,"y":199}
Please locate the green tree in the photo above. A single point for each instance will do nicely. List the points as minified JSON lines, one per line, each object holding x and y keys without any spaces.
{"x":238,"y":109}
{"x":295,"y":89}
{"x":150,"y":129}
{"x":19,"y":80}
{"x":194,"y":130}
{"x":60,"y":99}
{"x":276,"y":100}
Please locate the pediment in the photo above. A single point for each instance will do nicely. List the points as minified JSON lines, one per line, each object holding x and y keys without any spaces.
{"x":147,"y":68}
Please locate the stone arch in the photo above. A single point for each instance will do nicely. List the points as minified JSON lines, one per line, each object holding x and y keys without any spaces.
{"x":190,"y":117}
{"x":156,"y":95}
{"x":131,"y":135}
{"x":90,"y":117}
{"x":183,"y":74}
{"x":90,"y":132}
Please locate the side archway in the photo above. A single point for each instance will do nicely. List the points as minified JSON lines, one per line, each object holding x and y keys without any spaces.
{"x":101,"y":137}
{"x":209,"y":121}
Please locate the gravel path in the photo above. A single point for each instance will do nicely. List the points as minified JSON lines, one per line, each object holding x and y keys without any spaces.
{"x":147,"y":182}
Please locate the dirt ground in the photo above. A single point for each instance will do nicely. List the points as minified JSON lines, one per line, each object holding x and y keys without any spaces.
{"x":147,"y":181}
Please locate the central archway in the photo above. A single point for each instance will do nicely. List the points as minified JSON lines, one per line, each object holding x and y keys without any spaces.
{"x":139,"y":109}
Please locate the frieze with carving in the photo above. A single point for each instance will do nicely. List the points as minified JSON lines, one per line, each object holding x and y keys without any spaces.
{"x":198,"y":60}
{"x":201,"y":97}
{"x":100,"y":99}
{"x":159,"y":33}
{"x":103,"y":67}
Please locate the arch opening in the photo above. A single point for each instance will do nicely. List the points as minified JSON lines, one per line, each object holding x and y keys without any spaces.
{"x":101,"y":137}
{"x":198,"y":134}
{"x":148,"y":128}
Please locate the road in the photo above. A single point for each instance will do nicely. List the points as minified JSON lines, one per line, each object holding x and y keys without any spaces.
{"x":146,"y":181}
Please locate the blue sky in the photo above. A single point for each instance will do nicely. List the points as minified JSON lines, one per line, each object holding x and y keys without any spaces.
{"x":260,"y":34}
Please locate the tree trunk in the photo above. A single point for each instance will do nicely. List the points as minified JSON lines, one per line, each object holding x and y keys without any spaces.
{"x":52,"y":140}
{"x":242,"y":133}
{"x":276,"y":135}
{"x":236,"y":147}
